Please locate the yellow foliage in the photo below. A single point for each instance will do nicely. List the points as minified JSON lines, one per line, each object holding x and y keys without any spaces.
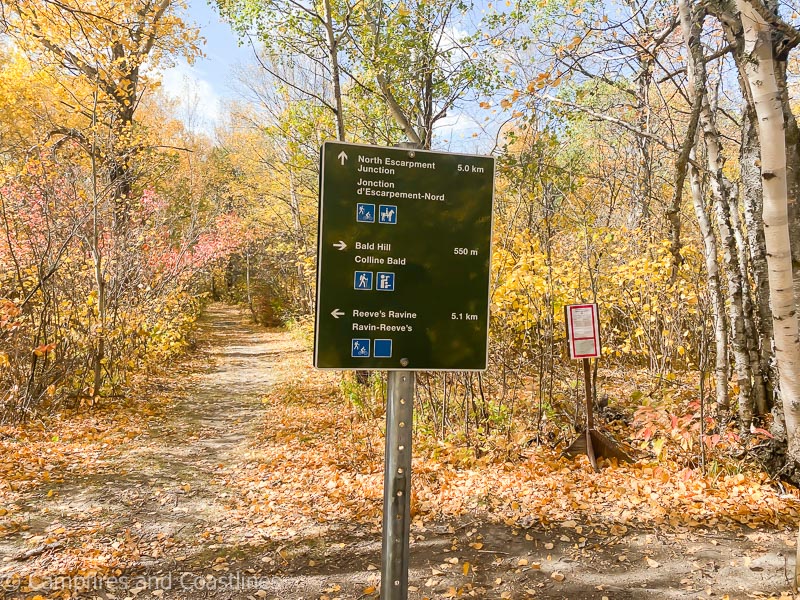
{"x":644,"y":312}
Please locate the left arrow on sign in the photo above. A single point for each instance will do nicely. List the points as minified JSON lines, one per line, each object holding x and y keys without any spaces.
{"x":340,"y":245}
{"x":342,"y":157}
{"x":336,"y":313}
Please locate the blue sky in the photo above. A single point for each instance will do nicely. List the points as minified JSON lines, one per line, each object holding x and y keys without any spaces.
{"x":221,"y":49}
{"x":203,"y":88}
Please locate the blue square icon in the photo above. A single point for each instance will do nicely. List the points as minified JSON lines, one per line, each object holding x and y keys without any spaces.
{"x":365,"y":213}
{"x":363,"y":280}
{"x":359,"y":348}
{"x":385,"y":282}
{"x":387,"y":214}
{"x":383,"y":348}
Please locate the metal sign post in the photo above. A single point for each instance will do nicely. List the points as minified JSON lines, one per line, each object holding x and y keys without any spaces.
{"x":397,"y":486}
{"x":396,"y":532}
{"x":403,"y":263}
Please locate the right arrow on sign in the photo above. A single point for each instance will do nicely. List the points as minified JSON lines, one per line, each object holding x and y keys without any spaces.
{"x":340,"y":245}
{"x":336,"y":313}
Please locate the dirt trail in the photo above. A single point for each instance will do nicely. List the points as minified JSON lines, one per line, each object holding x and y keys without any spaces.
{"x":164,"y":485}
{"x":163,"y":507}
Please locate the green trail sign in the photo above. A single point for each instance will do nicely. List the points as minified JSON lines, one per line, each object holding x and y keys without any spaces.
{"x":403,"y":264}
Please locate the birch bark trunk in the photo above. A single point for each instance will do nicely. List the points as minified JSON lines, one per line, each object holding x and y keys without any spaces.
{"x":767,"y":99}
{"x":642,"y":185}
{"x":714,"y":287}
{"x":721,"y":193}
{"x":750,"y":330}
{"x":749,"y":160}
{"x":792,"y":137}
{"x":691,"y":26}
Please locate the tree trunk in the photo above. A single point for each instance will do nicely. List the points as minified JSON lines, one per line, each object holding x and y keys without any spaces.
{"x":750,"y":331}
{"x":297,"y":224}
{"x":749,"y":160}
{"x":691,"y":26}
{"x":247,"y":286}
{"x":760,"y":73}
{"x":792,"y":137}
{"x":714,"y":288}
{"x":336,"y":75}
{"x":642,"y":184}
{"x":741,"y":356}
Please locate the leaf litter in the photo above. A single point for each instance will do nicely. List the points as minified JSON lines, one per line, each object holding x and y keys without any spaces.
{"x":312,"y":469}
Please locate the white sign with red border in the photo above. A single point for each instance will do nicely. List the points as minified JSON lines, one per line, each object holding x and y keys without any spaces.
{"x":583,"y":330}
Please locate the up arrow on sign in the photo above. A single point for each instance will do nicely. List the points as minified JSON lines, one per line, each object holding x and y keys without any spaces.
{"x":342,"y":157}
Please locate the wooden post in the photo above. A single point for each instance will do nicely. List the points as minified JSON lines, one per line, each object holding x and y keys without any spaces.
{"x":587,"y":383}
{"x":583,"y":337}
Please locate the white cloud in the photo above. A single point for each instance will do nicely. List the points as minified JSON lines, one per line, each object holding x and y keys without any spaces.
{"x":457,"y":123}
{"x":199,"y":105}
{"x":458,"y":132}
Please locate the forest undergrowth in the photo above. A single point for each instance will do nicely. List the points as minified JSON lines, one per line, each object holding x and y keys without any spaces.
{"x":515,"y":481}
{"x":255,"y":461}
